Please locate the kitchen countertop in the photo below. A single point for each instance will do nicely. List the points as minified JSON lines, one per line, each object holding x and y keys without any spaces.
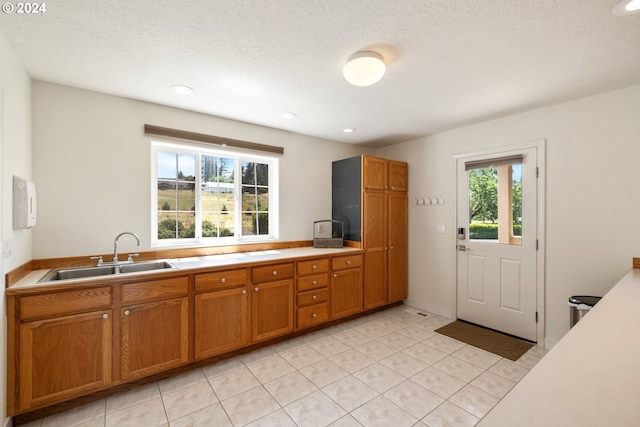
{"x":591,"y":377}
{"x":201,"y":262}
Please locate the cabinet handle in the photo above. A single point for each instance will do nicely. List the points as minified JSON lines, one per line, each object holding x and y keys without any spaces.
{"x":314,"y":297}
{"x":105,"y":316}
{"x":315,"y":267}
{"x":392,"y":187}
{"x":348,"y":262}
{"x":385,"y":248}
{"x":314,"y":315}
{"x":315,"y":282}
{"x":256,"y":289}
{"x":244,"y":292}
{"x":127,"y":312}
{"x":223,"y":280}
{"x":391,"y":248}
{"x":335,"y":274}
{"x":275,"y":273}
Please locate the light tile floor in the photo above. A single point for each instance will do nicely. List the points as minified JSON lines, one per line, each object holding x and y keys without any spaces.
{"x":388,"y":368}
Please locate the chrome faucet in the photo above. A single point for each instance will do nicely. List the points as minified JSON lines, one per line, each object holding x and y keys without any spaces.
{"x":115,"y":245}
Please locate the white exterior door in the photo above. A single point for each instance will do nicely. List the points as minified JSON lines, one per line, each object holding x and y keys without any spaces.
{"x":497,"y":241}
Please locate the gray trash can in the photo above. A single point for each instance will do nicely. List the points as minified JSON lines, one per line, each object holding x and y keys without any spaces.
{"x":579,"y":306}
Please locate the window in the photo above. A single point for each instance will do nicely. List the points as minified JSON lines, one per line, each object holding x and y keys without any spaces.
{"x":495,"y":200}
{"x":212,"y":196}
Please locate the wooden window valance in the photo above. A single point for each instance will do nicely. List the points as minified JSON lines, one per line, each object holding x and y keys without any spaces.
{"x":209,"y":139}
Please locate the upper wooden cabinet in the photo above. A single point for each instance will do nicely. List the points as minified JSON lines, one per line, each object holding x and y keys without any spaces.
{"x":398,"y":176}
{"x":383,"y":174}
{"x":375,"y":173}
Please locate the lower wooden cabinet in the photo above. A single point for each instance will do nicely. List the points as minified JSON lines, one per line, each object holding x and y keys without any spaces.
{"x":154,"y":326}
{"x":64,"y":357}
{"x":271,"y":310}
{"x":154,"y":337}
{"x":222,"y":312}
{"x":346,"y":286}
{"x":70,"y":342}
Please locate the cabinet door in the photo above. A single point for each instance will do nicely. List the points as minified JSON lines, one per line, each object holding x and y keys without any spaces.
{"x":374,"y":173}
{"x":64,"y":357}
{"x":375,"y":254}
{"x":397,"y":249}
{"x":346,"y":292}
{"x":154,"y":337}
{"x":221,"y":321}
{"x":271,"y":309}
{"x":398,"y":176}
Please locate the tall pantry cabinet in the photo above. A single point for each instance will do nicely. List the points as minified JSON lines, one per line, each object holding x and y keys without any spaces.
{"x":369,"y":195}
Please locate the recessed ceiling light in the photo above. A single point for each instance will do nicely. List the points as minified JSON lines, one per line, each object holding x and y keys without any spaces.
{"x":288,"y":115}
{"x":349,"y":130}
{"x":627,"y":7}
{"x":182,"y":90}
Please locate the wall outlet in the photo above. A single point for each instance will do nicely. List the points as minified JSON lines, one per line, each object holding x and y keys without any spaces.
{"x":6,"y":248}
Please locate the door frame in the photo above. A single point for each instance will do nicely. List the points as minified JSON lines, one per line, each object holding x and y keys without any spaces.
{"x":540,"y":146}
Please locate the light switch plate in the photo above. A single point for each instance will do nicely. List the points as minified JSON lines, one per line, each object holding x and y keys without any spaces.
{"x":6,"y":248}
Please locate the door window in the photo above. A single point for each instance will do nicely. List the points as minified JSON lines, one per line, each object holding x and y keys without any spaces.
{"x":495,"y":201}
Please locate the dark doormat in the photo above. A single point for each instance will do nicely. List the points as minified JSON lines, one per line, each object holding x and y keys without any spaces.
{"x":495,"y":342}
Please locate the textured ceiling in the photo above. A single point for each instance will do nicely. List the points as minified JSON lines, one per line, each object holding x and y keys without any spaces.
{"x":450,"y":62}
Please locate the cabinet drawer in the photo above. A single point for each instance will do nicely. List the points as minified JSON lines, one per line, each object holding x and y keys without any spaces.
{"x":155,"y":290}
{"x":271,"y":273}
{"x":63,"y":303}
{"x":313,"y":282}
{"x":343,"y":262}
{"x":312,"y":297}
{"x":221,"y":280}
{"x":312,"y":315}
{"x":313,"y":266}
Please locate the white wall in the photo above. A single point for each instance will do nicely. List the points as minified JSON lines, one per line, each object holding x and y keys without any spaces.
{"x":91,"y":163}
{"x":15,"y":141}
{"x":592,"y":203}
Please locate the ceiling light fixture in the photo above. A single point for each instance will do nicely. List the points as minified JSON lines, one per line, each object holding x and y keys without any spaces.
{"x":182,"y":90}
{"x":349,"y":130}
{"x":364,"y":68}
{"x":627,"y":7}
{"x":289,"y":115}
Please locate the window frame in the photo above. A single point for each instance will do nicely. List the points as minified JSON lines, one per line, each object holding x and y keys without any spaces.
{"x":197,"y":149}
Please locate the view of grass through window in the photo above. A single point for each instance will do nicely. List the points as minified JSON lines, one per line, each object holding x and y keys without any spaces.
{"x":198,"y":196}
{"x":485,"y":199}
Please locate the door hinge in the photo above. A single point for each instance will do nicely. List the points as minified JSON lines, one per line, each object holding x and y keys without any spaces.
{"x":537,"y":172}
{"x":536,"y":317}
{"x":536,"y":244}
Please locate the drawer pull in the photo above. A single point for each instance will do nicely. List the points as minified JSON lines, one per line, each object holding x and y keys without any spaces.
{"x":315,"y":267}
{"x":127,"y":312}
{"x":314,"y":315}
{"x":223,"y":280}
{"x":348,"y":262}
{"x":244,"y":292}
{"x":105,"y":316}
{"x":256,"y":289}
{"x":314,"y":297}
{"x":315,"y":282}
{"x":335,"y":274}
{"x":275,"y":273}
